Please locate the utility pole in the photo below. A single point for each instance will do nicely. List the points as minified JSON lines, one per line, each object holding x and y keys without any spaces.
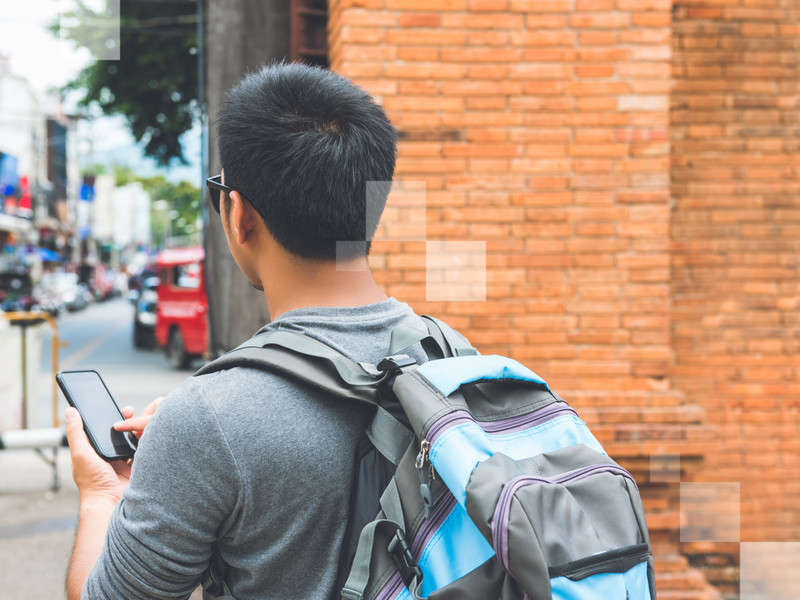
{"x":240,"y":36}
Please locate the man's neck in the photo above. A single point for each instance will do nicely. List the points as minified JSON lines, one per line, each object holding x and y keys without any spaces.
{"x":291,"y":284}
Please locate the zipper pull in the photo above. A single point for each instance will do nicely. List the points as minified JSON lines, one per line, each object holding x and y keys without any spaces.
{"x":424,"y":447}
{"x":425,"y":491}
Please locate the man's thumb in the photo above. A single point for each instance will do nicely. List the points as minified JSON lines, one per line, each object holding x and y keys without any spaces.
{"x":74,"y":426}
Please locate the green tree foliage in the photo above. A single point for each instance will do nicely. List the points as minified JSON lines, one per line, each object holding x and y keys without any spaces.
{"x":183,"y":200}
{"x":154,"y":84}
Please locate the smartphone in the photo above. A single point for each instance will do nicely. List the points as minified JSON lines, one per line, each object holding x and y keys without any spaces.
{"x":86,"y":391}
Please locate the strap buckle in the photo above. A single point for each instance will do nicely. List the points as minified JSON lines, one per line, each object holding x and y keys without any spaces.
{"x":401,"y":555}
{"x":392,"y":364}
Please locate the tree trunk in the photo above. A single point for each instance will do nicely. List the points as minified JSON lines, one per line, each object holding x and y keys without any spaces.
{"x":241,"y":35}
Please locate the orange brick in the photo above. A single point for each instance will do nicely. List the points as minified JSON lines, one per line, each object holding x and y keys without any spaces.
{"x":481,"y":88}
{"x":651,"y":19}
{"x":486,"y":134}
{"x":488,"y":165}
{"x":540,"y":71}
{"x":444,"y":165}
{"x":424,"y":103}
{"x":419,"y":20}
{"x":488,"y":38}
{"x":425,"y":71}
{"x":546,"y":21}
{"x":478,"y":54}
{"x":410,"y":120}
{"x":427,"y":37}
{"x":645,"y":5}
{"x":435,"y":5}
{"x":482,"y":149}
{"x":487,"y":5}
{"x":599,"y":20}
{"x":418,"y":53}
{"x":597,"y":38}
{"x":542,"y":38}
{"x":485,"y":102}
{"x":482,"y":21}
{"x":591,"y":103}
{"x":594,"y":5}
{"x":360,"y":17}
{"x":420,"y":149}
{"x":487,"y":72}
{"x":360,"y":35}
{"x":417,"y":87}
{"x":367,"y":53}
{"x":541,"y":6}
{"x":594,"y":71}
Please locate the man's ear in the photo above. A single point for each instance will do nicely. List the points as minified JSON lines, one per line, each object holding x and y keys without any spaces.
{"x":242,"y":217}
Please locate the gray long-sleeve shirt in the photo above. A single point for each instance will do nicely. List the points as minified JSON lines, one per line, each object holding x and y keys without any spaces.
{"x":251,"y":465}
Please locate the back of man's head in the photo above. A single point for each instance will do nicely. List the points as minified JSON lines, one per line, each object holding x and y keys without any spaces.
{"x":304,"y":146}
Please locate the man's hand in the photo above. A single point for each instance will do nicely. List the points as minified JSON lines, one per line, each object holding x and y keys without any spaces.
{"x":100,"y":485}
{"x":94,"y":477}
{"x":136,"y":425}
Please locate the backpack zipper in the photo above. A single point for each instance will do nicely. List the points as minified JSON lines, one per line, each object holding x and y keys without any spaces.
{"x":531,"y":419}
{"x":425,"y":477}
{"x":501,"y":515}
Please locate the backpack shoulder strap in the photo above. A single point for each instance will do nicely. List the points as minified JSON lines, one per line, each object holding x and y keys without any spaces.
{"x":439,"y":341}
{"x":304,"y":359}
{"x":455,"y":342}
{"x":301,"y":358}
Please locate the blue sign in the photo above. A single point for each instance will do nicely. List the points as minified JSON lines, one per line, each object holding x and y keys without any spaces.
{"x":9,"y":178}
{"x":87,"y":192}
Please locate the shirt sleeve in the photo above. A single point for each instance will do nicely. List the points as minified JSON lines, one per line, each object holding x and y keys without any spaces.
{"x":183,"y":496}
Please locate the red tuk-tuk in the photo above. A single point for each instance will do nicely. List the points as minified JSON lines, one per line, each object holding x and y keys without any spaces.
{"x":182,"y":311}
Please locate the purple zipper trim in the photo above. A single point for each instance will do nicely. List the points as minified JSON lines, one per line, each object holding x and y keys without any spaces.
{"x":389,"y":591}
{"x":424,"y":534}
{"x":509,"y":425}
{"x":503,"y":510}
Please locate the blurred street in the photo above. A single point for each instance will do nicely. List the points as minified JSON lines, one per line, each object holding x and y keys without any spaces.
{"x":36,"y":523}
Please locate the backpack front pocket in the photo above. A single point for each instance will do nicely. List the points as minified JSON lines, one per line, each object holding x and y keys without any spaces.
{"x":569,"y":517}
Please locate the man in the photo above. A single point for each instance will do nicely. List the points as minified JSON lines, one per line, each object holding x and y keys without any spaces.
{"x":244,"y":466}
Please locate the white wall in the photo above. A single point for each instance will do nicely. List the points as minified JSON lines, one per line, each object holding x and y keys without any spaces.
{"x":23,"y":128}
{"x":131,"y":210}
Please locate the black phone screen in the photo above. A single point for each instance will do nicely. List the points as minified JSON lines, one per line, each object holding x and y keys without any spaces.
{"x":86,"y":391}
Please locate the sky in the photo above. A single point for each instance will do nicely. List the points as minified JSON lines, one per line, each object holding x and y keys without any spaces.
{"x":48,"y":62}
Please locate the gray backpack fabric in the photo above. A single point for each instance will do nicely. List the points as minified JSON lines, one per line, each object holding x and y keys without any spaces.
{"x":477,"y":481}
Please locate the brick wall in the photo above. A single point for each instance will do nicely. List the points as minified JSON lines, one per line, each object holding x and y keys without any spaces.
{"x":736,"y":239}
{"x":540,"y":128}
{"x":545,"y":133}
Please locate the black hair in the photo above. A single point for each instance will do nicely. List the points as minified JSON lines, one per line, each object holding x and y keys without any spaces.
{"x":304,"y":145}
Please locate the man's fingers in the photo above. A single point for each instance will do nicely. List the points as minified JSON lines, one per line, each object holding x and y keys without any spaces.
{"x":128,"y":412}
{"x":134,"y":424}
{"x":151,"y":408}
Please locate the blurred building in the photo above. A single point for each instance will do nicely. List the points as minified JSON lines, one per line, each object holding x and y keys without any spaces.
{"x":131,"y":222}
{"x":629,"y":173}
{"x":34,"y":174}
{"x":23,"y":138}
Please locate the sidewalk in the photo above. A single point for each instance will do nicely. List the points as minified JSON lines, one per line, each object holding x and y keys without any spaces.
{"x":37,"y":525}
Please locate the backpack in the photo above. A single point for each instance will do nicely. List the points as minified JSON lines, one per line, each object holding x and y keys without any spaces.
{"x":474,"y":479}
